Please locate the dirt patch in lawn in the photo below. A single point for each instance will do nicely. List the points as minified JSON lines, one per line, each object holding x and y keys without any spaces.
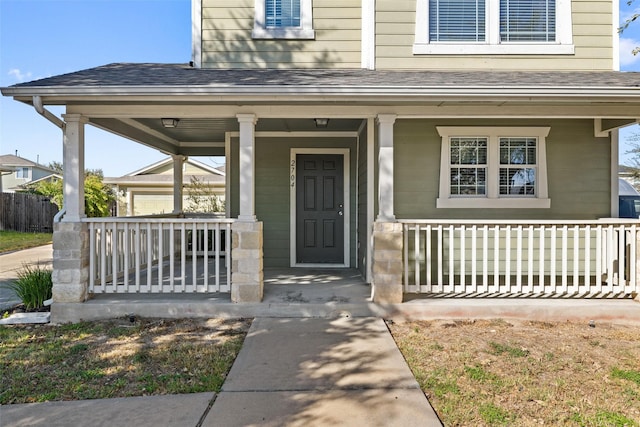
{"x":525,"y":373}
{"x":117,"y":358}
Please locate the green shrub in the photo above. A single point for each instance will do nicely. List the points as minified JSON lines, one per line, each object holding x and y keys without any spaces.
{"x":33,"y":286}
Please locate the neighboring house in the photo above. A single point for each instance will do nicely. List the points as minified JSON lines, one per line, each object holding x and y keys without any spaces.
{"x":629,"y":200}
{"x":149,"y":190}
{"x":437,"y":147}
{"x":18,"y":171}
{"x":630,"y":174}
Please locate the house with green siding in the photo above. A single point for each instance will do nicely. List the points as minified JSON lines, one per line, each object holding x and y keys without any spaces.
{"x":449,"y":147}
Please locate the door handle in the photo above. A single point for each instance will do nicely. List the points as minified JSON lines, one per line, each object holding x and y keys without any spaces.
{"x":340,"y":213}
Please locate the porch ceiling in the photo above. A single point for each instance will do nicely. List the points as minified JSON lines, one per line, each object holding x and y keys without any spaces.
{"x":131,"y":99}
{"x":206,"y":136}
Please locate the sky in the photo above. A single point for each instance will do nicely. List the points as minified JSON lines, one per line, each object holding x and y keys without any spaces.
{"x":43,"y":38}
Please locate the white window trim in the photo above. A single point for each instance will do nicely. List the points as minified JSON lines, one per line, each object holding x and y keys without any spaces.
{"x":20,"y":173}
{"x":562,"y":46}
{"x":305,"y":31}
{"x":493,"y":199}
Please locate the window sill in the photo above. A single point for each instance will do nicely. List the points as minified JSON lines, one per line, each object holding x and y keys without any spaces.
{"x":283,"y":33}
{"x":492,"y":49}
{"x":485,"y":203}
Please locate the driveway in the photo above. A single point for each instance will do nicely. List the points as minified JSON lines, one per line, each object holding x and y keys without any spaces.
{"x":12,"y":262}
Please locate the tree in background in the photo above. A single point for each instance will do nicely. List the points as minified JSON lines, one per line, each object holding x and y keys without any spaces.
{"x":98,"y":196}
{"x":201,"y":198}
{"x":628,"y":22}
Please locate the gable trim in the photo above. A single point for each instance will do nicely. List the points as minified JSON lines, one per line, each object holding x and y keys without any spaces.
{"x":196,"y":33}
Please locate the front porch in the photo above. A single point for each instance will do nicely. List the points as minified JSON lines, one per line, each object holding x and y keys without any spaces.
{"x":300,"y":293}
{"x":421,"y":185}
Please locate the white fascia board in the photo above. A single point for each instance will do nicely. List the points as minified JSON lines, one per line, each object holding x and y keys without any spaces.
{"x":311,"y":92}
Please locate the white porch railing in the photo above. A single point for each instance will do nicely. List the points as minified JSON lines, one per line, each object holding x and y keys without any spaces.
{"x":572,"y":258}
{"x":159,"y":255}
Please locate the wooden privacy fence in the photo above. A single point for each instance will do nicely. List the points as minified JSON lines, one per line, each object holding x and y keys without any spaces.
{"x":26,"y":212}
{"x":570,"y":258}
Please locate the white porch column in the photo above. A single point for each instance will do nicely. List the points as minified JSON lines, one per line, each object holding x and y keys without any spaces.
{"x":130,"y":207}
{"x":385,"y":167}
{"x":178,"y":166}
{"x":73,"y":161}
{"x":247,"y":166}
{"x":70,"y":274}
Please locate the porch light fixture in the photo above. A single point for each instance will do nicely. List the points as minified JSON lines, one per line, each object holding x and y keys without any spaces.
{"x":170,"y":123}
{"x":322,"y":123}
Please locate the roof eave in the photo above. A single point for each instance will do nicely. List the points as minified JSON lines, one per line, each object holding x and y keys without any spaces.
{"x":323,"y":91}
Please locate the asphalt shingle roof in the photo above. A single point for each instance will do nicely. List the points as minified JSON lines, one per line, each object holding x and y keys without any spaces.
{"x":147,"y":74}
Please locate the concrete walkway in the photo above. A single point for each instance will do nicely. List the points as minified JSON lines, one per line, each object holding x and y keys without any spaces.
{"x":290,"y":372}
{"x":320,"y":372}
{"x":12,"y":262}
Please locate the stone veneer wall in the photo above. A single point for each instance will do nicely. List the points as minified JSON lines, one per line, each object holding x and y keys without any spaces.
{"x":247,"y":279}
{"x":387,"y":262}
{"x":70,"y":262}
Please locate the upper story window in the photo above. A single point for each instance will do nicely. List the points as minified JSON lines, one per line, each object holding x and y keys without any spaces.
{"x":528,"y":20}
{"x":457,"y":20}
{"x":23,"y":173}
{"x":534,"y":27}
{"x":486,"y":167}
{"x":283,"y":19}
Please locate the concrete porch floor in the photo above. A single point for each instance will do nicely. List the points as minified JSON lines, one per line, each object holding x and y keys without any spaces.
{"x":331,"y":293}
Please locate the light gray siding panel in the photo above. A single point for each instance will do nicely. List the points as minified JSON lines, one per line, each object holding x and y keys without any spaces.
{"x":227,"y":42}
{"x":577,"y":163}
{"x":592,"y":38}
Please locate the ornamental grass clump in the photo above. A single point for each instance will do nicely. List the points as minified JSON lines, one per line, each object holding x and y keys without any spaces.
{"x":33,"y":286}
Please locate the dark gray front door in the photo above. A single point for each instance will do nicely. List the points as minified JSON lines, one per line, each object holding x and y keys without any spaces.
{"x":319,"y":208}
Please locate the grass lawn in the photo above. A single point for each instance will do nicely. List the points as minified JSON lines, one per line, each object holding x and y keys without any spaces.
{"x":494,"y":373}
{"x":14,"y":240}
{"x":116,"y":358}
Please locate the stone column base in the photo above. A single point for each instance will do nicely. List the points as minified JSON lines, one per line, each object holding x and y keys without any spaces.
{"x":70,"y":275}
{"x":247,"y":279}
{"x":387,"y":262}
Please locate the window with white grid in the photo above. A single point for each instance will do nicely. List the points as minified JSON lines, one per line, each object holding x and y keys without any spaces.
{"x":493,"y":167}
